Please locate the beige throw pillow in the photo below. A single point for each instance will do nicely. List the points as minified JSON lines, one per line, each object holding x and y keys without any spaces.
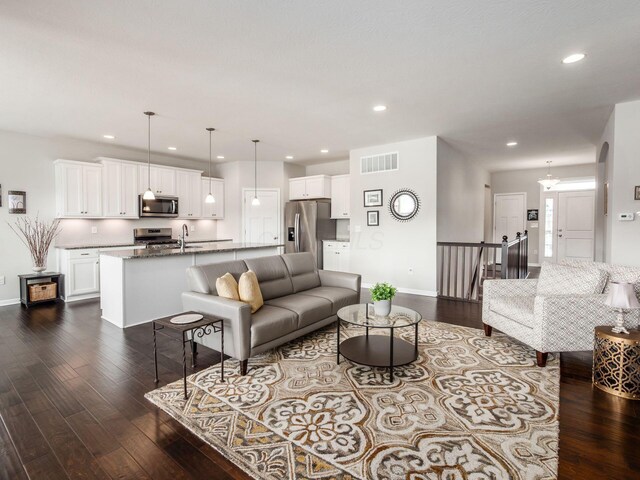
{"x":250,"y":290}
{"x":227,"y":287}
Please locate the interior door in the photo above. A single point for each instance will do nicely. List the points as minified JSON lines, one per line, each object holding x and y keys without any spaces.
{"x":261,"y":222}
{"x":576,"y":225}
{"x":509,"y":215}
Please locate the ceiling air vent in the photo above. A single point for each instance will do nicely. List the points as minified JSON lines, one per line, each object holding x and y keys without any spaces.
{"x":379,"y":163}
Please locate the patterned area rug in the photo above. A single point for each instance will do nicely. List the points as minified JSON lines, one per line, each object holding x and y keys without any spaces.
{"x":470,"y":407}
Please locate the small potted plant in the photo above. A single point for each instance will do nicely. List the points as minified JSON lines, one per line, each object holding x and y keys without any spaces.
{"x":381,"y":295}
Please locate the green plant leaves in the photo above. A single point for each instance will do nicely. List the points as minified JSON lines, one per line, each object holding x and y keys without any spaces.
{"x":382,"y":291}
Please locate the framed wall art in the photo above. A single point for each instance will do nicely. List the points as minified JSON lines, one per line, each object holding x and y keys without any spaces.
{"x":17,"y":201}
{"x":637,"y":192}
{"x":373,"y":198}
{"x":373,"y":218}
{"x":532,"y":215}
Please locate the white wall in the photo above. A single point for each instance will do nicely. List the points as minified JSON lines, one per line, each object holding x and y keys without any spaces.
{"x":624,"y":244}
{"x":386,"y":253}
{"x":516,"y":181}
{"x":338,"y":167}
{"x":26,"y":163}
{"x":461,"y":185}
{"x":603,"y":172}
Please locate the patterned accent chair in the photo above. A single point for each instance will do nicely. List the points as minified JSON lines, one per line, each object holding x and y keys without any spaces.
{"x":558,"y":311}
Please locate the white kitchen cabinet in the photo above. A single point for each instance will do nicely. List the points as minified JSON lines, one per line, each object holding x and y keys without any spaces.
{"x":308,"y":188}
{"x":120,"y":189}
{"x":336,"y":256}
{"x":78,"y":189}
{"x":213,"y":210}
{"x":340,"y":196}
{"x":189,"y":191}
{"x":81,"y":269}
{"x":163,"y":179}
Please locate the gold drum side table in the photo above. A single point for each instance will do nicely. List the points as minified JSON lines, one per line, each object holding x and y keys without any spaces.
{"x":616,"y":363}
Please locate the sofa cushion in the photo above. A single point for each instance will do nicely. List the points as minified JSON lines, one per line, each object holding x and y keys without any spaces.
{"x":227,"y":287}
{"x":339,"y":297}
{"x":308,"y":309}
{"x":270,"y":323}
{"x":202,"y":278}
{"x":303,"y":271}
{"x":272,"y":275}
{"x":249,"y":291}
{"x":617,"y":273}
{"x":558,"y":279}
{"x":520,"y":309}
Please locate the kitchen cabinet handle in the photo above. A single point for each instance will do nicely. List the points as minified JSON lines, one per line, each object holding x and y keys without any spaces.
{"x":84,"y":254}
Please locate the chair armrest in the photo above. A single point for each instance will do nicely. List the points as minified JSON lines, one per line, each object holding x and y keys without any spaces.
{"x":567,"y":321}
{"x":509,"y":288}
{"x":330,"y":278}
{"x":236,"y":316}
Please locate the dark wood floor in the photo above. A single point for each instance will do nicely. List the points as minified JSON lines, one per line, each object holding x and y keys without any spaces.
{"x":72,"y":406}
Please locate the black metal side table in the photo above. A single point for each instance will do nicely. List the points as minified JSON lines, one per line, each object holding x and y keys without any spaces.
{"x":205,"y":326}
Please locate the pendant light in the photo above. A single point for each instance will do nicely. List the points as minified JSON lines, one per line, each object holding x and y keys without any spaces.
{"x":255,"y":202}
{"x":210,"y":198}
{"x":549,"y":181}
{"x":148,"y":195}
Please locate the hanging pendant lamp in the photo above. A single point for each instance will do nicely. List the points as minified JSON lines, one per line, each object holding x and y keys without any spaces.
{"x":148,"y":195}
{"x":549,"y":181}
{"x":210,"y":198}
{"x":255,"y":202}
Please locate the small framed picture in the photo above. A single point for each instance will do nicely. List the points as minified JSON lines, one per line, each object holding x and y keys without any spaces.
{"x":373,"y":218}
{"x":637,"y":195}
{"x":532,"y":215}
{"x":17,"y":201}
{"x":373,"y":198}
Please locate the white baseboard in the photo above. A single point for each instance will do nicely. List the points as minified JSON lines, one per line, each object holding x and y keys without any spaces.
{"x":10,"y":301}
{"x":535,"y":264}
{"x":412,"y":291}
{"x":77,"y":298}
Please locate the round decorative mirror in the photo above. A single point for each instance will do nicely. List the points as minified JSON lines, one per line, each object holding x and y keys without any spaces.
{"x":404,"y":205}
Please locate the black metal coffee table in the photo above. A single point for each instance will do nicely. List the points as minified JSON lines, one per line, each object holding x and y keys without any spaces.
{"x":378,"y":350}
{"x":198,"y":329}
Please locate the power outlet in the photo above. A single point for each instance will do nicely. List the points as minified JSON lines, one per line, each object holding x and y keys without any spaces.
{"x":94,"y":229}
{"x":192,"y":228}
{"x":410,"y":270}
{"x":2,"y":280}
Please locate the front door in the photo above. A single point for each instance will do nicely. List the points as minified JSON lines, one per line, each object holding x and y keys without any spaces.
{"x":261,"y":222}
{"x":576,"y":218}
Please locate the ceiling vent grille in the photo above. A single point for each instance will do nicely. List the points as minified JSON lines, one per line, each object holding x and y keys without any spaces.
{"x":379,"y":163}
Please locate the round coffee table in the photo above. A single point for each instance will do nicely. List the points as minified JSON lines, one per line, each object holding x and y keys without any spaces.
{"x":378,"y":350}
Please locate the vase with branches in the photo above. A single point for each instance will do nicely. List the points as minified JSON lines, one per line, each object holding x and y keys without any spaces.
{"x":37,"y":235}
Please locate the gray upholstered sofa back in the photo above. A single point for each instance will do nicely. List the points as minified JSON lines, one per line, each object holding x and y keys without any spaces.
{"x":202,"y":278}
{"x":303,"y":271}
{"x":273,"y":276}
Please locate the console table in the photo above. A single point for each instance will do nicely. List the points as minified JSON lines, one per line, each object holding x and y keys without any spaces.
{"x":35,"y":278}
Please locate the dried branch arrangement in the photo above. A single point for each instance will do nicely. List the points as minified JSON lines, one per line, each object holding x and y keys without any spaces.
{"x":37,"y":236}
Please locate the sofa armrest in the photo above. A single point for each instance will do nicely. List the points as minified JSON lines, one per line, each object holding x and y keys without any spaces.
{"x":509,"y":288}
{"x":330,"y":278}
{"x":236,"y":316}
{"x":567,"y":321}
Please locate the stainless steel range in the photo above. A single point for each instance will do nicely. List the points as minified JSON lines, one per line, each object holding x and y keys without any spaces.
{"x":155,"y":238}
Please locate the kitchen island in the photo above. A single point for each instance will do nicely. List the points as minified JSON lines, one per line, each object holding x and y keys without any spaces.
{"x":139,"y":285}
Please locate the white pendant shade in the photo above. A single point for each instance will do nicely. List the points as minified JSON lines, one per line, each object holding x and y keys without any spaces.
{"x":210,"y":199}
{"x":255,"y":202}
{"x":549,"y":181}
{"x":148,"y":195}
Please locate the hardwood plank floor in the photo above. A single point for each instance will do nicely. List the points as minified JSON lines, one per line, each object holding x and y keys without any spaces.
{"x":72,"y":406}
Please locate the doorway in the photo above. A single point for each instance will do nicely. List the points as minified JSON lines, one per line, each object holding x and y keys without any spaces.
{"x":261,"y":223}
{"x":568,"y":220}
{"x":509,"y":211}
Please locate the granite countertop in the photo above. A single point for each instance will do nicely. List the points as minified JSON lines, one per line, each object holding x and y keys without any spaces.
{"x":198,"y":249}
{"x":78,"y":246}
{"x":337,"y":240}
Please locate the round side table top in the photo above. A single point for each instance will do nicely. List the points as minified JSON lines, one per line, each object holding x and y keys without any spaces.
{"x":605,"y":331}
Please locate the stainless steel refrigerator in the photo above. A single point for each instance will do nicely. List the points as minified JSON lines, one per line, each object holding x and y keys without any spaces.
{"x":307,"y":223}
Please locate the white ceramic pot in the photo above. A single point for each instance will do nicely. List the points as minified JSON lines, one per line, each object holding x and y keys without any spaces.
{"x":382,"y":307}
{"x":39,"y":269}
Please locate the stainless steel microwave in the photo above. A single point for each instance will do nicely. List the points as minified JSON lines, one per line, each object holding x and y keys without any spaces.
{"x":161,"y":206}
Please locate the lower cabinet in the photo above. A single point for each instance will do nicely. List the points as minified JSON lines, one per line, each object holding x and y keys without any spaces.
{"x":81,"y":268}
{"x":336,"y":256}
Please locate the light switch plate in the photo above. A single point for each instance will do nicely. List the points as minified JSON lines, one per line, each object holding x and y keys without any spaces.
{"x":94,"y":229}
{"x":626,"y":217}
{"x":357,"y":228}
{"x":192,"y":228}
{"x":2,"y":280}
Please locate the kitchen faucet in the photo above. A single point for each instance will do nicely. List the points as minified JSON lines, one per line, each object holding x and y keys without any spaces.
{"x":181,"y":238}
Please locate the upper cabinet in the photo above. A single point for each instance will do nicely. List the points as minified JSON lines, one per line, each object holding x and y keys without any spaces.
{"x":162,"y":179}
{"x":213,"y":210}
{"x":307,"y":188}
{"x":340,"y":196}
{"x":189,"y":191}
{"x":78,"y":189}
{"x":120,"y":188}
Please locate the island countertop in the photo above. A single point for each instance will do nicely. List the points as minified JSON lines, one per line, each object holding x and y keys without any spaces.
{"x":189,"y":250}
{"x":82,"y":246}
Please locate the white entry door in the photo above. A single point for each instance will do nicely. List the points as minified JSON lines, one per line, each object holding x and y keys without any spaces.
{"x":576,"y":219}
{"x":261,"y":223}
{"x":509,"y":215}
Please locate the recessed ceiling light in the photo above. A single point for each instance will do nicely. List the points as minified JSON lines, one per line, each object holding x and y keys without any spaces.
{"x":220,"y":157}
{"x":573,"y":58}
{"x":379,"y":108}
{"x":324,"y":150}
{"x":109,"y":137}
{"x":171,"y":148}
{"x":289,"y":157}
{"x":512,"y":144}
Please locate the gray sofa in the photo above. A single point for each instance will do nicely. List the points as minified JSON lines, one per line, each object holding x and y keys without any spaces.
{"x":298,"y":299}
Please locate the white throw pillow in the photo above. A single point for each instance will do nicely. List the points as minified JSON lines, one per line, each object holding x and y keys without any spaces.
{"x":558,"y":279}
